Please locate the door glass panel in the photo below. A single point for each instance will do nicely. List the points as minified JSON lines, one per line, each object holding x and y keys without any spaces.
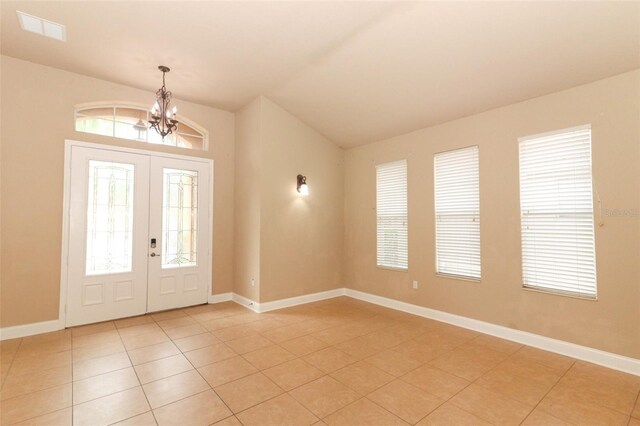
{"x":179,"y":218}
{"x":109,"y":218}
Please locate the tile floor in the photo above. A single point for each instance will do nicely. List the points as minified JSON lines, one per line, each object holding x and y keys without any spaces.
{"x":335,"y":362}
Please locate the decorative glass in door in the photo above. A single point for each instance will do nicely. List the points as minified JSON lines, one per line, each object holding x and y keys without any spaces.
{"x":109,"y":218}
{"x":179,"y":218}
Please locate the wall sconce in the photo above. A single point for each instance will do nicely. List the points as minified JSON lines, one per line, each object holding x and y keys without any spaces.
{"x":303,"y":189}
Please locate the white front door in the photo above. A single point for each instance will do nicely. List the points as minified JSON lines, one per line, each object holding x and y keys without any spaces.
{"x":179,"y":264}
{"x":121,"y":204}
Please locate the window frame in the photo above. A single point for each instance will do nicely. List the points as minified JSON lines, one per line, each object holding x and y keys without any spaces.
{"x":404,"y":162}
{"x":479,"y":220}
{"x":542,"y":289}
{"x":143,"y":108}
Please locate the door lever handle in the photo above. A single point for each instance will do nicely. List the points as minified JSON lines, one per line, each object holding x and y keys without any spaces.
{"x":154,"y":255}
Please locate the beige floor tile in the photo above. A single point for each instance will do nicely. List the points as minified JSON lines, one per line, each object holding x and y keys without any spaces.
{"x":282,"y":410}
{"x":636,"y":410}
{"x":185,"y":331}
{"x":268,"y":357}
{"x":173,"y":388}
{"x":324,"y":396}
{"x":607,"y":394}
{"x":31,"y":364}
{"x":146,"y":339}
{"x":153,"y":352}
{"x":104,"y":384}
{"x":139,"y":330}
{"x":57,"y":418}
{"x":422,"y":351}
{"x":363,"y":413}
{"x":42,"y":348}
{"x":133,"y":321}
{"x":436,"y":382}
{"x":527,"y":390}
{"x":176,"y":322}
{"x":110,"y":409}
{"x":539,"y":418}
{"x":264,"y":325}
{"x":210,"y":354}
{"x":564,"y":406}
{"x":197,"y":341}
{"x":95,"y":366}
{"x":466,"y":363}
{"x":226,"y":371}
{"x":96,"y":351}
{"x":284,"y":333}
{"x":495,"y":343}
{"x":450,"y":415}
{"x":247,"y":344}
{"x":166,"y":315}
{"x":361,"y":347}
{"x":161,"y":368}
{"x":47,"y":337}
{"x":292,"y":374}
{"x":303,"y":345}
{"x":16,"y":385}
{"x":9,"y":346}
{"x":549,"y":359}
{"x":100,"y":327}
{"x":333,"y":336}
{"x":634,"y":422}
{"x":247,"y":392}
{"x":229,"y":421}
{"x":35,"y":404}
{"x":144,"y":419}
{"x":362,"y":377}
{"x":405,"y":401}
{"x":96,"y":338}
{"x":330,"y":359}
{"x":491,"y":406}
{"x":394,"y":363}
{"x":235,"y":332}
{"x":203,"y":409}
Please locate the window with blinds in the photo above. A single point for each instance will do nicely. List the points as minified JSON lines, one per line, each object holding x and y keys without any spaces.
{"x":391,"y":213}
{"x":556,"y":202}
{"x":457,"y":204}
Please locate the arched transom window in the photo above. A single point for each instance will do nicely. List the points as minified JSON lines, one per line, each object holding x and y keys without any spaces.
{"x":132,"y":122}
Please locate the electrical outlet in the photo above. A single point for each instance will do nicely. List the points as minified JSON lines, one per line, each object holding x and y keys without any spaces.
{"x":253,"y":282}
{"x":415,"y":285}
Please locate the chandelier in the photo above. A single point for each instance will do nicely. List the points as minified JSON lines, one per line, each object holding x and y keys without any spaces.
{"x":163,"y":119}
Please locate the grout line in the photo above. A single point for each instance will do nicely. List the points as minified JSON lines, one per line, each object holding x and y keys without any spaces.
{"x":548,"y":392}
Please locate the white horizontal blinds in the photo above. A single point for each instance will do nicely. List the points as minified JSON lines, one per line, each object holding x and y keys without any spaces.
{"x":457,"y":203}
{"x":391,"y":211}
{"x":556,"y":201}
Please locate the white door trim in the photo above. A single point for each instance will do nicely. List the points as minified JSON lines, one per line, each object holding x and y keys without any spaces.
{"x":68,"y":145}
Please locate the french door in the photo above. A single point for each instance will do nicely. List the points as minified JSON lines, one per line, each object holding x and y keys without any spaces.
{"x":138,"y":234}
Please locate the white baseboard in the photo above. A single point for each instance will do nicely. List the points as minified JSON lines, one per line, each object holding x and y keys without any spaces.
{"x":30,"y":329}
{"x":300,"y":300}
{"x":584,"y":353}
{"x":222,"y":297}
{"x":247,"y":303}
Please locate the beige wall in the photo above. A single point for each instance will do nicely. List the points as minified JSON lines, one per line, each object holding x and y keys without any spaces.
{"x":36,"y":118}
{"x":301,"y":237}
{"x":247,"y":201}
{"x":612,"y":323}
{"x":290,"y":245}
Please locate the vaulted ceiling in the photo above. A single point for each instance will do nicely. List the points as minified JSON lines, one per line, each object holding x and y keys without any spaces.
{"x":355,"y":71}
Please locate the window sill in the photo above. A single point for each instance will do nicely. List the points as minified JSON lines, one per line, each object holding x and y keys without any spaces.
{"x":458,"y":277}
{"x":560,"y":293}
{"x":391,"y":268}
